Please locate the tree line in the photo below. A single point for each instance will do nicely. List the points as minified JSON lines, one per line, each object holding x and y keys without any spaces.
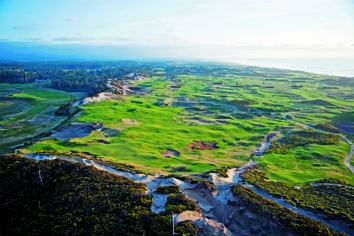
{"x":90,"y":77}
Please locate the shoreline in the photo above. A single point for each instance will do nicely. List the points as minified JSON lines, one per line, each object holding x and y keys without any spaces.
{"x":318,"y":66}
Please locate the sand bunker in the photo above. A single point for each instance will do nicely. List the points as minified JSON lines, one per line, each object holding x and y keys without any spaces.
{"x":75,"y":130}
{"x":130,"y":122}
{"x":170,"y":153}
{"x":200,"y":145}
{"x":158,"y":202}
{"x":100,"y":97}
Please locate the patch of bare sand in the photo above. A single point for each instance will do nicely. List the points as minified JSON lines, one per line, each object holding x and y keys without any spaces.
{"x":170,"y":153}
{"x":206,"y":226}
{"x":201,"y":145}
{"x":100,"y":97}
{"x":130,"y":122}
{"x":189,"y":215}
{"x":169,"y":100}
{"x":158,"y":202}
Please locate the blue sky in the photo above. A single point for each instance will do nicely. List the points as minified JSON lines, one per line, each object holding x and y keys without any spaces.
{"x":208,"y":29}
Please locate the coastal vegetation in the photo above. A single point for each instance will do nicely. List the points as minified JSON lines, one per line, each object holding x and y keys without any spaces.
{"x":172,"y":189}
{"x":229,"y":108}
{"x":178,"y":203}
{"x":300,"y":138}
{"x":307,"y":163}
{"x":329,"y":127}
{"x":28,"y":111}
{"x":63,"y":198}
{"x":336,"y":201}
{"x":184,"y":121}
{"x":291,"y":221}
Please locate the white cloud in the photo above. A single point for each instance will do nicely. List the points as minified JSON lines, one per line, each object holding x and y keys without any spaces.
{"x":222,"y":28}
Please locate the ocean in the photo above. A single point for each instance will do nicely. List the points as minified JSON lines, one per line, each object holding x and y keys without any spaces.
{"x":339,"y":67}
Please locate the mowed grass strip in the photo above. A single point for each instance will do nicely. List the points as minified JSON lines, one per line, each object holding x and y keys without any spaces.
{"x":31,"y":113}
{"x":308,"y":163}
{"x":147,"y":130}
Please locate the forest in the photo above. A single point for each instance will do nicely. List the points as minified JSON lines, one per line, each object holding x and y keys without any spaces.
{"x":63,"y":198}
{"x":90,"y":77}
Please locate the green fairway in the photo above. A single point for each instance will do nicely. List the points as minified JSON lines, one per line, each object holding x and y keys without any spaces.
{"x":27,"y":110}
{"x":146,"y":131}
{"x":308,"y":163}
{"x":234,"y":111}
{"x":226,"y":110}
